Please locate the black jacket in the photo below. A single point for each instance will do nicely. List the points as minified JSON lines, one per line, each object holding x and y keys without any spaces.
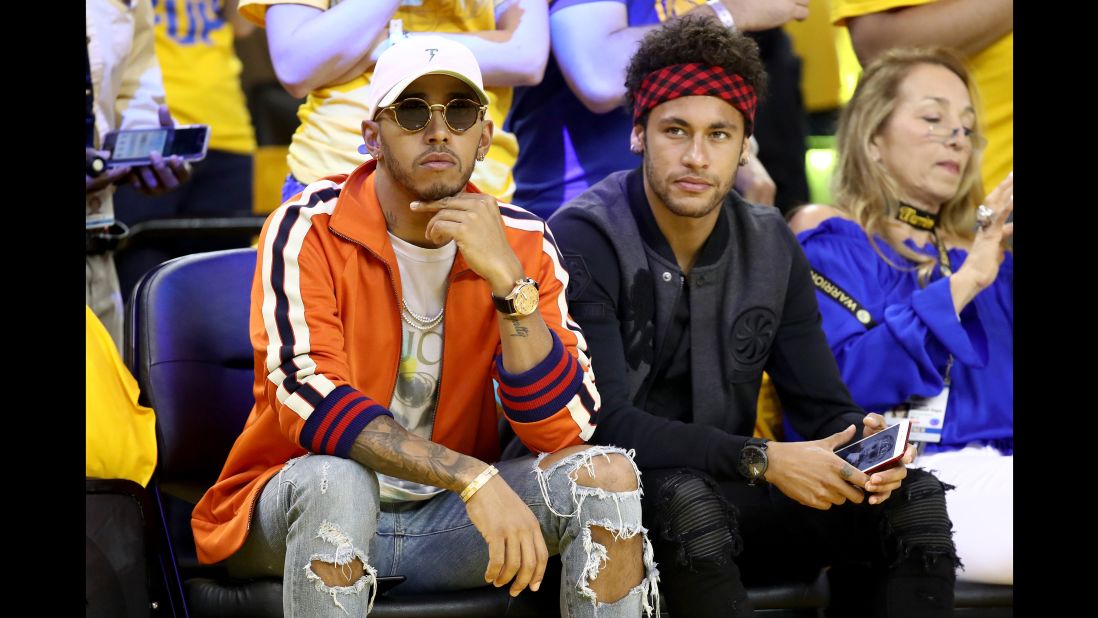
{"x":678,"y":360}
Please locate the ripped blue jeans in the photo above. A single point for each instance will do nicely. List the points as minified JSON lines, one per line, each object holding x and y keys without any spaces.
{"x":328,"y":509}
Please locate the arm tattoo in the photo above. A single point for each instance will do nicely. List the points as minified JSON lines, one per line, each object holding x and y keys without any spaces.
{"x":520,"y":330}
{"x":386,"y":447}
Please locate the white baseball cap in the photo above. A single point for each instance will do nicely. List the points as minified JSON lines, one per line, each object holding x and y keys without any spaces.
{"x":413,"y":57}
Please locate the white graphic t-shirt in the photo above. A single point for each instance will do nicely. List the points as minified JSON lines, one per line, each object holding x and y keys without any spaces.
{"x":424,"y":276}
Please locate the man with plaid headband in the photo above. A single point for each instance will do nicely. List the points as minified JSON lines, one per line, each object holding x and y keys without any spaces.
{"x":687,"y":293}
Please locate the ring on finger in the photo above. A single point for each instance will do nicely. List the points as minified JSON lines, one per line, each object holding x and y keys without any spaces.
{"x":984,"y":215}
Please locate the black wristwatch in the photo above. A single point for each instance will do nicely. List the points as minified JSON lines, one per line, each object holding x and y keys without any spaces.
{"x":753,"y":461}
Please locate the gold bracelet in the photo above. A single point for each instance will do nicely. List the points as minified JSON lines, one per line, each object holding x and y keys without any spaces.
{"x":478,"y":482}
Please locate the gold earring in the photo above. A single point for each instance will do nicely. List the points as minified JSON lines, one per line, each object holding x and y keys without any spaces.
{"x":481,"y":157}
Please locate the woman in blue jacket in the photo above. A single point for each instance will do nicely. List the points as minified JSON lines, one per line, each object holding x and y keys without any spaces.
{"x":916,"y":287}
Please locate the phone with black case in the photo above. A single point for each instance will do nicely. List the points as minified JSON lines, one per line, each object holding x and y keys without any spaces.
{"x":132,"y":146}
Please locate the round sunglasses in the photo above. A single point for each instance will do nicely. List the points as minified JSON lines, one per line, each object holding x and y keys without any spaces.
{"x":414,"y":114}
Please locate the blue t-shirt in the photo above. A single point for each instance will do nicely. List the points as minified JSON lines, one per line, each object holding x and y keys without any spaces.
{"x":906,"y":353}
{"x":564,"y":148}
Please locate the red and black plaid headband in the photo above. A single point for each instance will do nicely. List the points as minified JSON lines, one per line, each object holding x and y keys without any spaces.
{"x":695,"y":79}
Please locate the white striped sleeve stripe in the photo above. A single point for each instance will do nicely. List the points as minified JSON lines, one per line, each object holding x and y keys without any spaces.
{"x":295,"y":308}
{"x":322,"y":385}
{"x":303,"y":365}
{"x":581,"y":417}
{"x":268,"y":306}
{"x":307,"y":369}
{"x":289,"y":255}
{"x":536,"y":225}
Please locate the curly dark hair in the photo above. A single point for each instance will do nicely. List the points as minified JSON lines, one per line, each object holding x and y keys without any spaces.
{"x":694,"y":39}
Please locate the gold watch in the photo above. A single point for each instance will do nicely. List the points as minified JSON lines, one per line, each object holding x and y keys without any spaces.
{"x":522,"y":301}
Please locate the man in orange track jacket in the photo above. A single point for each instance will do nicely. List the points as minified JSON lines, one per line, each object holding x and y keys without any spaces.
{"x":387,"y":306}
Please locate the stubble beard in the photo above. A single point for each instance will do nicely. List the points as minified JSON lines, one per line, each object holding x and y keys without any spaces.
{"x":434,"y":191}
{"x":662,"y":191}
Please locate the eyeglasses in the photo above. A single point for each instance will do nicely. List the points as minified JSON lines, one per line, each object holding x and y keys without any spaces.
{"x":414,"y":114}
{"x":939,"y":132}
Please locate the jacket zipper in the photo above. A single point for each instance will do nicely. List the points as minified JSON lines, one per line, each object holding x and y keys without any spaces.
{"x":396,"y":297}
{"x":438,"y":397}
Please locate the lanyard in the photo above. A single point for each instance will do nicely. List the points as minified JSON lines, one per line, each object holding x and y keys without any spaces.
{"x":856,"y":309}
{"x":947,"y":270}
{"x":845,"y":300}
{"x":943,"y":257}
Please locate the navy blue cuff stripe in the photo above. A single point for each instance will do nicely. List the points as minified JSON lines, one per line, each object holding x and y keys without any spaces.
{"x":550,"y":408}
{"x":571,"y":367}
{"x":535,"y":373}
{"x":308,"y":432}
{"x":355,"y":427}
{"x":325,"y":415}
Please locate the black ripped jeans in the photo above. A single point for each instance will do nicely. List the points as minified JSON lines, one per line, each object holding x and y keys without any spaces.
{"x":712,"y":539}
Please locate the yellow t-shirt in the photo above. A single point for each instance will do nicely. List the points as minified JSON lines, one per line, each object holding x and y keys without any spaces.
{"x":119,"y":434}
{"x":993,"y":71}
{"x":768,"y":412}
{"x":328,"y":140}
{"x":194,"y":44}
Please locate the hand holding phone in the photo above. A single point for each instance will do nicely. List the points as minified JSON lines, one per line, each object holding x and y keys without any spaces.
{"x":811,"y":474}
{"x":132,"y":147}
{"x":162,"y":176}
{"x":879,"y":451}
{"x":158,"y":157}
{"x":98,"y":176}
{"x":880,"y":484}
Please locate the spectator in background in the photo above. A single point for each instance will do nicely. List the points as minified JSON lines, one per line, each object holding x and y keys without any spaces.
{"x":918,"y":309}
{"x":194,"y":43}
{"x":571,"y":128}
{"x":123,"y":91}
{"x":119,"y":432}
{"x":327,"y":51}
{"x":980,"y":30}
{"x":781,"y":123}
{"x":686,"y":294}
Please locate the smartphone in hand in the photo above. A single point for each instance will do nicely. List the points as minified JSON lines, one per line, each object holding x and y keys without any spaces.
{"x":132,"y":146}
{"x":880,"y":451}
